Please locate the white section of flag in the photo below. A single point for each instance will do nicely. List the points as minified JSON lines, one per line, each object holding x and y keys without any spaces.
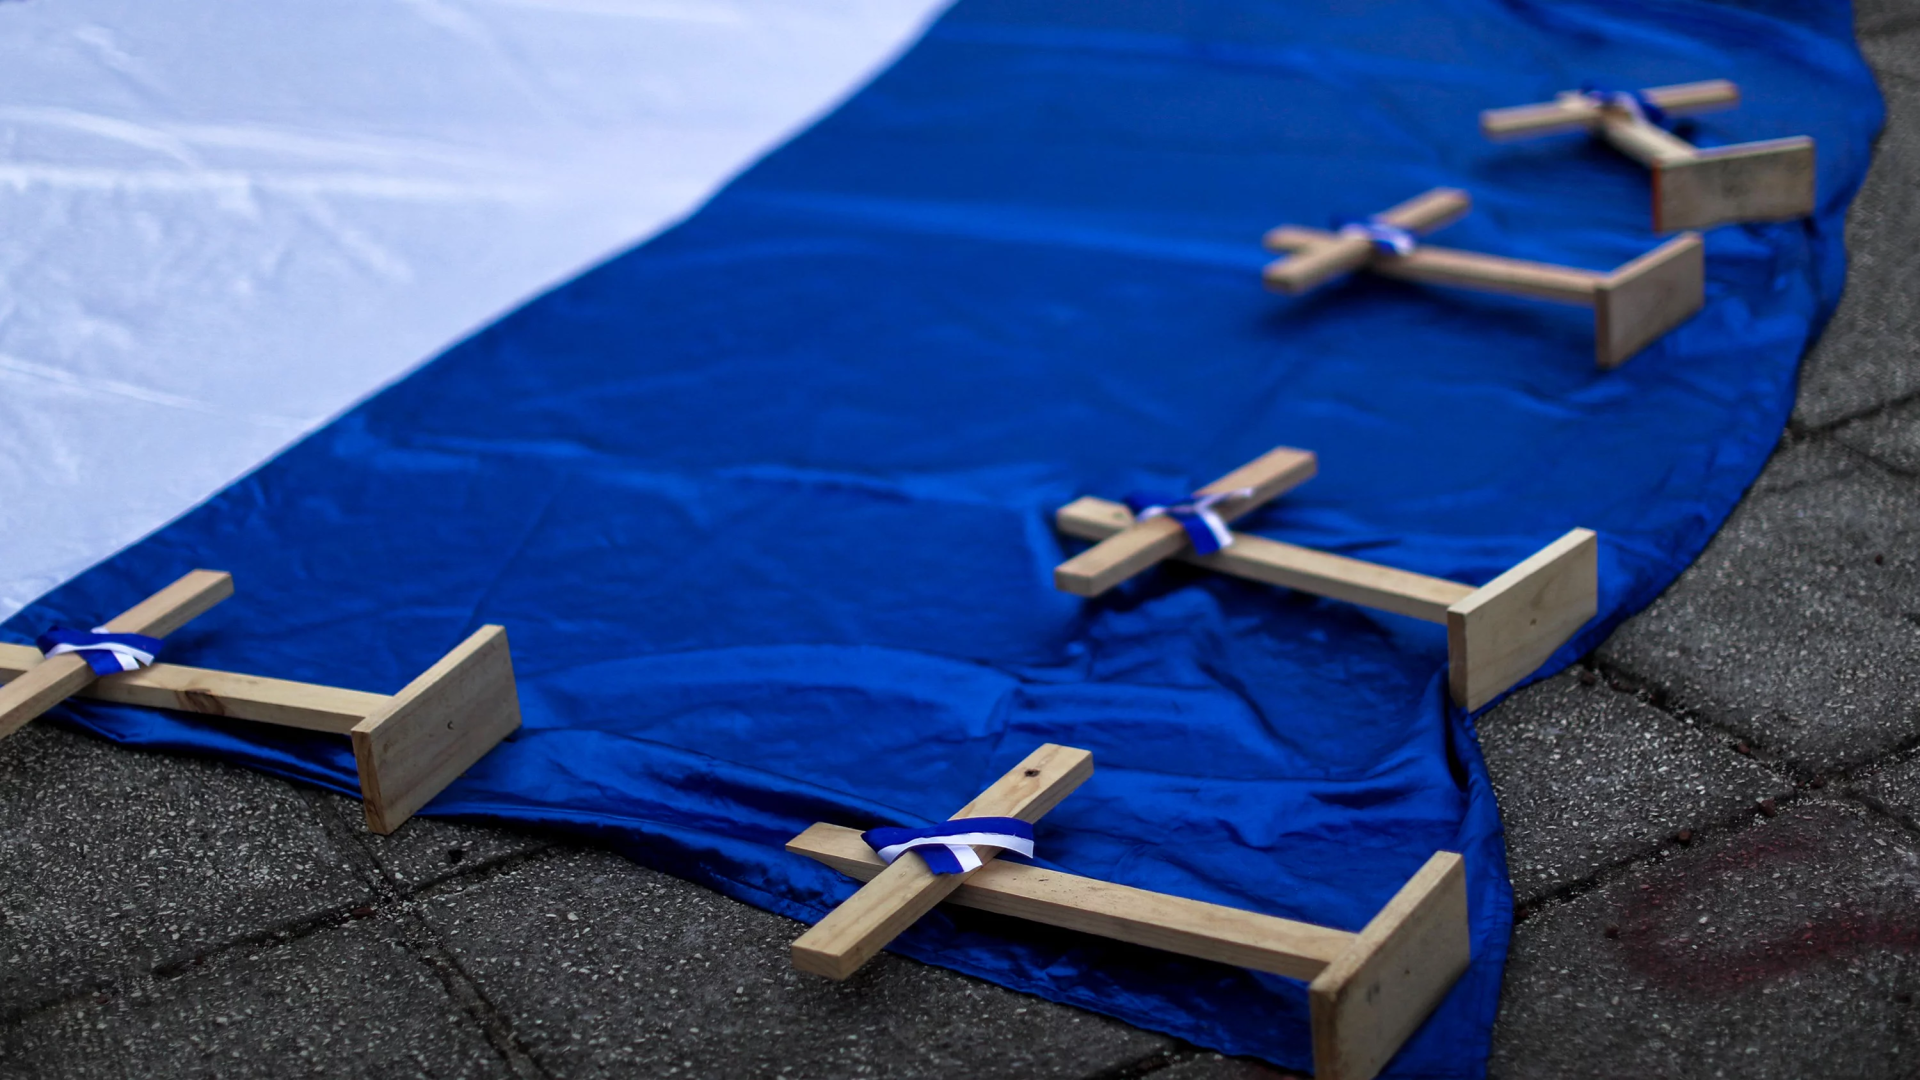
{"x":222,"y":222}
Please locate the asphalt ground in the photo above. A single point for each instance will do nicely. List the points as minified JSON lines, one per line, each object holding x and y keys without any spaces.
{"x":1713,"y":828}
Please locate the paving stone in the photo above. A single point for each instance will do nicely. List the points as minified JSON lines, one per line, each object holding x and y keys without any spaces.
{"x":1879,"y":19}
{"x":1869,"y":355}
{"x":1799,"y":628}
{"x":1787,"y":949}
{"x":1217,"y":1067}
{"x":114,"y":861}
{"x":425,"y":851}
{"x":606,"y":969}
{"x":1896,"y":787}
{"x":1891,"y":437}
{"x":346,"y":1001}
{"x":1889,"y":33}
{"x":1589,"y":777}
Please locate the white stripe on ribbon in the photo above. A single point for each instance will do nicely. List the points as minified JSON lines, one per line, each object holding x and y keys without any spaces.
{"x":960,"y":845}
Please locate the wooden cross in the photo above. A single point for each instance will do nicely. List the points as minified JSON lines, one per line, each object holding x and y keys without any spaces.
{"x":1367,"y":991}
{"x":1770,"y":180}
{"x":407,"y":746}
{"x":1497,"y":633}
{"x":1632,"y":305}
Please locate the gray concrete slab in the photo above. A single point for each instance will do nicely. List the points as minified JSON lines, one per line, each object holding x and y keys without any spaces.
{"x":1788,"y":949}
{"x":1799,"y":628}
{"x":426,"y":851}
{"x":1890,"y":437}
{"x":349,"y":1001}
{"x":1589,"y":777}
{"x":1217,"y":1067}
{"x":607,"y":969}
{"x":1894,"y":787}
{"x":1869,"y":355}
{"x":115,"y":861}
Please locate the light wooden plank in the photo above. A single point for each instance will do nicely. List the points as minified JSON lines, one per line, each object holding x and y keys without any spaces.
{"x":1145,"y":543}
{"x":1289,"y":566}
{"x":1227,"y":935}
{"x":218,"y":693}
{"x":1573,"y":112}
{"x":1369,"y":1001}
{"x":1647,"y":297}
{"x":1757,"y":181}
{"x":57,"y":678}
{"x":860,"y":927}
{"x":1646,"y":143}
{"x":1462,"y":269}
{"x":1309,"y":267}
{"x":429,"y":733}
{"x":1507,"y":628}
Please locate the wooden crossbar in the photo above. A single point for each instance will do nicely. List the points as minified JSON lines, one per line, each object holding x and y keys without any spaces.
{"x":60,"y":677}
{"x":1145,"y":543}
{"x":1632,"y":306}
{"x":408,"y":747}
{"x":896,"y":897}
{"x":1497,"y":633}
{"x":1369,"y":991}
{"x":1693,"y":188}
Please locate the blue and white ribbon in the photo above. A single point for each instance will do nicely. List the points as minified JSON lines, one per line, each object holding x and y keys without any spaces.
{"x":1632,"y":102}
{"x":948,"y":846}
{"x":106,"y":653}
{"x":1194,"y":513}
{"x":1391,"y":239}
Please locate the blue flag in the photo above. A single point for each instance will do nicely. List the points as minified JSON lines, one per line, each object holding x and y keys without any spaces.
{"x":765,"y":504}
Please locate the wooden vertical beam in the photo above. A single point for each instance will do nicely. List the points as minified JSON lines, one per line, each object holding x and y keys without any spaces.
{"x":57,"y":678}
{"x":1772,"y":180}
{"x":860,"y":927}
{"x":1638,"y":303}
{"x":1508,"y":627}
{"x":429,"y":733}
{"x":1374,"y":996}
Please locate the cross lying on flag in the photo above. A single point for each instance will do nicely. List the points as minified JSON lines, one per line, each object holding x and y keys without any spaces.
{"x":1497,"y":633}
{"x":1693,"y":188}
{"x":1368,"y":992}
{"x":407,"y":747}
{"x":1632,"y":305}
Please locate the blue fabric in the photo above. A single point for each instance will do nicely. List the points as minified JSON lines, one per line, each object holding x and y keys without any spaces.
{"x":765,"y":503}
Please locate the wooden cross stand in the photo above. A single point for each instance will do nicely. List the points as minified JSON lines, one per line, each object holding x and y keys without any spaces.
{"x":1368,"y":991}
{"x":407,"y":747}
{"x":1497,"y":633}
{"x":1770,"y":180}
{"x":1632,"y":305}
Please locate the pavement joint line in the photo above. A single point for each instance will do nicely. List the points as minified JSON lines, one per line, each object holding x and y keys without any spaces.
{"x":495,"y":1024}
{"x":1157,"y":1062}
{"x":1801,"y":774}
{"x":1727,"y":825}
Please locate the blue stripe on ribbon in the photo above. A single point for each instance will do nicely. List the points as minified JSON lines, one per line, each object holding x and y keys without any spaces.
{"x":1205,"y":528}
{"x":105,"y":653}
{"x":947,"y":847}
{"x":1391,"y":239}
{"x":1632,"y":102}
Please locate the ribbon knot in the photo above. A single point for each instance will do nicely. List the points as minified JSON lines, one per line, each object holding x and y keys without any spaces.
{"x":948,"y":846}
{"x":106,"y":653}
{"x":1391,"y":239}
{"x":1195,"y":514}
{"x":1632,"y":102}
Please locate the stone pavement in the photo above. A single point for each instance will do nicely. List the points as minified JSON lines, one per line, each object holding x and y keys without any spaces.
{"x":1714,"y":828}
